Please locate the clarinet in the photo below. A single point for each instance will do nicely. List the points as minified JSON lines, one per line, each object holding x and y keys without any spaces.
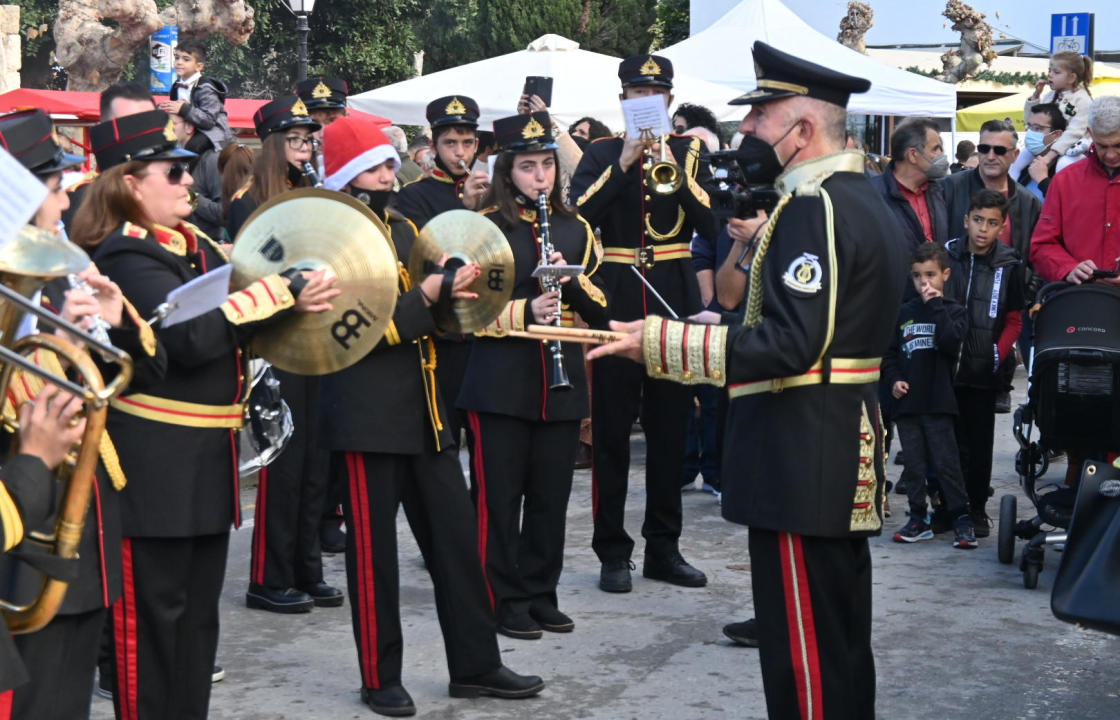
{"x":550,"y":283}
{"x":312,"y":175}
{"x":99,"y":329}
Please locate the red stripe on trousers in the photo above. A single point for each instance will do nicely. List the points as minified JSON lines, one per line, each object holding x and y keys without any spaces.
{"x":6,"y":705}
{"x":260,"y":539}
{"x":483,"y":510}
{"x":363,"y":556}
{"x":124,"y":631}
{"x":804,"y":653}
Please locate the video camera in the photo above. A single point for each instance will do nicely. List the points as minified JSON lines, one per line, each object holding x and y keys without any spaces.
{"x":741,"y":183}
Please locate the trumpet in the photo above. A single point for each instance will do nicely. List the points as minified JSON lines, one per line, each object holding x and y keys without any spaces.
{"x":550,"y":282}
{"x":662,"y":177}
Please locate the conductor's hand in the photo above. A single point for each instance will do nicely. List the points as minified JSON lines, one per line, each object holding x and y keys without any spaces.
{"x":1082,"y":272}
{"x":49,"y":427}
{"x":474,"y":189}
{"x":900,"y":388}
{"x":630,"y":347}
{"x":545,"y":307}
{"x":318,"y":292}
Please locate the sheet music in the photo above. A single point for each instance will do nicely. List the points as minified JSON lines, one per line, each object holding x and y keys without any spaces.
{"x":198,"y":297}
{"x":22,"y":196}
{"x":648,"y":113}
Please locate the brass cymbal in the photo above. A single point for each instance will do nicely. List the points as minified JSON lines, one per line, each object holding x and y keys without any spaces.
{"x":470,"y":237}
{"x":311,"y":229}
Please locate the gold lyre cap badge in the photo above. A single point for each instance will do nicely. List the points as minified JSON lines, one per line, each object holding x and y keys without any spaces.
{"x":455,"y":107}
{"x":650,"y":68}
{"x":321,"y":91}
{"x":298,"y":108}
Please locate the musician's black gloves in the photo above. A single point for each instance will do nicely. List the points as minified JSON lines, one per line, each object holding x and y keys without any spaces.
{"x":449,"y":269}
{"x":296,"y":281}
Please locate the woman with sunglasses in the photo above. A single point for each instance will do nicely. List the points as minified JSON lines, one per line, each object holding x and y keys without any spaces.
{"x":287,"y":146}
{"x":176,"y":440}
{"x":525,"y":430}
{"x":286,"y":563}
{"x":61,"y":657}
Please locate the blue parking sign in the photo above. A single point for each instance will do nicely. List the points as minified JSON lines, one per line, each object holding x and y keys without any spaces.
{"x":1072,"y":32}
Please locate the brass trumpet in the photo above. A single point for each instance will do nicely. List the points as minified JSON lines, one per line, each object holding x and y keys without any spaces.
{"x":662,"y":177}
{"x":25,"y":265}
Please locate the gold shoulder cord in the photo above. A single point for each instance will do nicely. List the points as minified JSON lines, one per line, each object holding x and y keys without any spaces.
{"x":754,"y":292}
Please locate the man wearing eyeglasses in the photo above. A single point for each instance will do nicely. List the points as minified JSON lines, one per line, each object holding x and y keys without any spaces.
{"x":1045,"y":127}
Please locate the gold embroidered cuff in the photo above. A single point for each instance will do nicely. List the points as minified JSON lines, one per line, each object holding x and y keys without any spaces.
{"x":512,"y":317}
{"x":147,"y":335}
{"x":10,"y":521}
{"x":262,"y":299}
{"x":687,"y":353}
{"x":592,"y":290}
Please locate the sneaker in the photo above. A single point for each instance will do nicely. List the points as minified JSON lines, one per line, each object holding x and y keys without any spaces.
{"x":743,"y":633}
{"x":709,"y":488}
{"x":964,"y":535}
{"x":981,"y":524}
{"x":915,"y":529}
{"x":218,"y":674}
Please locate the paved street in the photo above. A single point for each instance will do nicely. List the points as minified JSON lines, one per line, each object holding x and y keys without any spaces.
{"x":956,"y":635}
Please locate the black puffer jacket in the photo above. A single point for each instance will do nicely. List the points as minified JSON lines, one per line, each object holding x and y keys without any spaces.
{"x":990,"y":287}
{"x":887,"y":186}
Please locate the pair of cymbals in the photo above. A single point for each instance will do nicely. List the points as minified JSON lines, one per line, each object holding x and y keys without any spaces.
{"x":467,"y":237}
{"x":311,"y":229}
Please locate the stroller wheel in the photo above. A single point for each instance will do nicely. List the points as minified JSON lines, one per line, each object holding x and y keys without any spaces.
{"x":1030,"y":575}
{"x":1005,"y":545}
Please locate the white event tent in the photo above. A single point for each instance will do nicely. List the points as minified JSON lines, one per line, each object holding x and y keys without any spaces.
{"x":584,"y":84}
{"x":721,"y":54}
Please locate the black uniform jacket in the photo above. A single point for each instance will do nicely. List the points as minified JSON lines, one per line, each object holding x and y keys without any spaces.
{"x":807,"y":460}
{"x":423,"y":199}
{"x":99,"y":558}
{"x":26,"y":496}
{"x":182,"y":478}
{"x":510,"y":376}
{"x":630,"y":217}
{"x":388,"y":402}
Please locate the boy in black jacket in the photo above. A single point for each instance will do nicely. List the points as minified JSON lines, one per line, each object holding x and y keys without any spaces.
{"x":919,"y":368}
{"x":987,"y":280}
{"x":199,"y":100}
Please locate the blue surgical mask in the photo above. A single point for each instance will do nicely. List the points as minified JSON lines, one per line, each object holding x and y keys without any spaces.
{"x":1035,"y":141}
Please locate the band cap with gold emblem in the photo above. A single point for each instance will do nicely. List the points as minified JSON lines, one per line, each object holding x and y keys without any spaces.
{"x":144,"y":136}
{"x":323,"y":93}
{"x":781,"y":75}
{"x":311,"y":229}
{"x":524,"y":133}
{"x":452,"y":110}
{"x":29,"y":136}
{"x":282,"y":113}
{"x":641,"y":70}
{"x":466,"y":237}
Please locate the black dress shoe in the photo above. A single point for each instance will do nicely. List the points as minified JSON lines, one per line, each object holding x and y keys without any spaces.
{"x":614,"y":576}
{"x":550,"y":618}
{"x":323,"y":595}
{"x":393,"y":701}
{"x":583,"y":457}
{"x":332,"y":539}
{"x":743,"y":633}
{"x":519,"y":625}
{"x":278,"y":600}
{"x":674,"y":570}
{"x":500,"y":683}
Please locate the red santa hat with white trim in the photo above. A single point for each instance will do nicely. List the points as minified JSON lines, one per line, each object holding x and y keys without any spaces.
{"x":352,"y":145}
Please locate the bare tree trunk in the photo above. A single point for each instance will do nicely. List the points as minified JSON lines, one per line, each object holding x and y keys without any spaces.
{"x":95,"y":54}
{"x":855,"y":25}
{"x":976,"y":43}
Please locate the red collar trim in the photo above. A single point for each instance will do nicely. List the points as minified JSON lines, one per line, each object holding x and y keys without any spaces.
{"x":179,"y":240}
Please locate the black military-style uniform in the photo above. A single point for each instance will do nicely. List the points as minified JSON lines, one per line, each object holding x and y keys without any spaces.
{"x":60,"y":657}
{"x":386,"y":428}
{"x":638,"y":229}
{"x":803,"y":465}
{"x":177,"y":446}
{"x":525,"y":435}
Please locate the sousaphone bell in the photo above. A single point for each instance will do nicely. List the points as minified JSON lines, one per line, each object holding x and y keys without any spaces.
{"x":311,"y":229}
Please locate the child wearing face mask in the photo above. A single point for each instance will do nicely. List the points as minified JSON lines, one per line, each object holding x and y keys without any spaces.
{"x":1069,"y":77}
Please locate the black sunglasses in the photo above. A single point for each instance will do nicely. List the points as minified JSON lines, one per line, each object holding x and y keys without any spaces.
{"x":176,"y":172}
{"x":1000,"y":150}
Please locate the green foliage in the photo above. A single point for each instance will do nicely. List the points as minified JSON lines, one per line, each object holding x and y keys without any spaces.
{"x":1000,"y":78}
{"x":619,"y":27}
{"x":672,"y":23}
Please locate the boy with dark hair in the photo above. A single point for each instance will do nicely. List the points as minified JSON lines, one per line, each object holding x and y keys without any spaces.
{"x":988,"y":281}
{"x":199,"y":100}
{"x":918,"y":367}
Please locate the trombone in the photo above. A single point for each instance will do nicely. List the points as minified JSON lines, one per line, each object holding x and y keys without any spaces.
{"x":25,"y":265}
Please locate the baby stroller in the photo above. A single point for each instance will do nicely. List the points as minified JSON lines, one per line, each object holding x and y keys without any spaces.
{"x":1074,"y":378}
